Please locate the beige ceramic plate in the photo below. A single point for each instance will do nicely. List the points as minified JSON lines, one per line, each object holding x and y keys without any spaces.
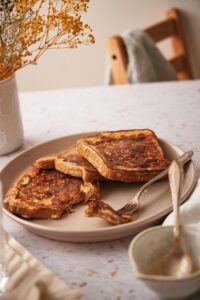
{"x":75,"y":227}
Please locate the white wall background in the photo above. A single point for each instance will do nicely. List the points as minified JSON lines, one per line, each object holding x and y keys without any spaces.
{"x":85,"y":66}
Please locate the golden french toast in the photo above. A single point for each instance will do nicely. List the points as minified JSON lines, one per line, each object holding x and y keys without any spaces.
{"x":126,"y":155}
{"x":105,"y":211}
{"x":46,"y":162}
{"x":71,"y":163}
{"x":48,"y":194}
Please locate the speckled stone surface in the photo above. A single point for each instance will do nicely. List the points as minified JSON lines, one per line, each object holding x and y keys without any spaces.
{"x":172,"y":110}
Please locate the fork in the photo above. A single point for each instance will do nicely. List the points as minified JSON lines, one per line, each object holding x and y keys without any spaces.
{"x":134,"y":204}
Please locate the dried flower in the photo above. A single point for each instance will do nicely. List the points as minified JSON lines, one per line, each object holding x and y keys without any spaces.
{"x":7,"y":4}
{"x":29,"y":27}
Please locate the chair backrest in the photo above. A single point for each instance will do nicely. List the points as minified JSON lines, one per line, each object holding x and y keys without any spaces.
{"x":169,"y":28}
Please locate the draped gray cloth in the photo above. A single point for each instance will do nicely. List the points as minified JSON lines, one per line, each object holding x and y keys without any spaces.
{"x":145,"y":61}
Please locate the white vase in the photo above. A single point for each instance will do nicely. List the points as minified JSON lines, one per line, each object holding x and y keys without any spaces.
{"x":11,"y":129}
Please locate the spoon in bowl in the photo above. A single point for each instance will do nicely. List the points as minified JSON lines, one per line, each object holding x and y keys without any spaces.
{"x":177,"y":263}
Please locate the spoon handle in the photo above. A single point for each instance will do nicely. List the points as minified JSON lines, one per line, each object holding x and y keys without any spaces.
{"x":175,"y":182}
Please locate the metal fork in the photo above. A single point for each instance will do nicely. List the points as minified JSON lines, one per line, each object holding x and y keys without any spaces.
{"x":134,"y":204}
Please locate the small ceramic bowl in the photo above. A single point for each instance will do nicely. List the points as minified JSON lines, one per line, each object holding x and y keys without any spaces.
{"x":146,"y":252}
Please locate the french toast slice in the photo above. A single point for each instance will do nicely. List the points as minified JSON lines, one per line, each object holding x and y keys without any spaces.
{"x":48,"y":194}
{"x":105,"y":211}
{"x":71,"y":163}
{"x":46,"y":162}
{"x":125,"y":155}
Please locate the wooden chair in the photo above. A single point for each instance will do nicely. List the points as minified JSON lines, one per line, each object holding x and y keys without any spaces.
{"x":169,"y":28}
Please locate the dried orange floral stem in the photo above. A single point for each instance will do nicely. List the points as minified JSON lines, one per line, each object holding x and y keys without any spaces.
{"x":29,"y":27}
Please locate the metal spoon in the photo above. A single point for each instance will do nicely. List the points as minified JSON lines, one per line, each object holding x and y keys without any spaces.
{"x":177,"y":262}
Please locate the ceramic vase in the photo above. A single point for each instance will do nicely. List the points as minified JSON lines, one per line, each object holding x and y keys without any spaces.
{"x":11,"y":129}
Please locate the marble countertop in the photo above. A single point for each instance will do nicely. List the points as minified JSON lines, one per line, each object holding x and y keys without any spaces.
{"x":172,"y":110}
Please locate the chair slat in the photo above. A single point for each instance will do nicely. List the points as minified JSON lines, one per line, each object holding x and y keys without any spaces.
{"x":178,"y":42}
{"x":161,"y":30}
{"x":177,"y":62}
{"x":118,"y":57}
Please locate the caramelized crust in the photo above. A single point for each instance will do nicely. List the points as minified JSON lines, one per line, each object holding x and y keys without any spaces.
{"x":48,"y":194}
{"x":71,"y":163}
{"x":126,"y":155}
{"x":103,"y":210}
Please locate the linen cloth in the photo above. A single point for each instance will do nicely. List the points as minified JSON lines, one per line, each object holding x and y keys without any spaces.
{"x":145,"y":61}
{"x":30,"y":280}
{"x":189,"y":211}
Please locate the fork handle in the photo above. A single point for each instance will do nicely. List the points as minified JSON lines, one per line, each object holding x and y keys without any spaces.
{"x":181,"y":159}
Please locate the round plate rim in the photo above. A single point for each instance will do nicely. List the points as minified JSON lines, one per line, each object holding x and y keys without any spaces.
{"x":114,"y":229}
